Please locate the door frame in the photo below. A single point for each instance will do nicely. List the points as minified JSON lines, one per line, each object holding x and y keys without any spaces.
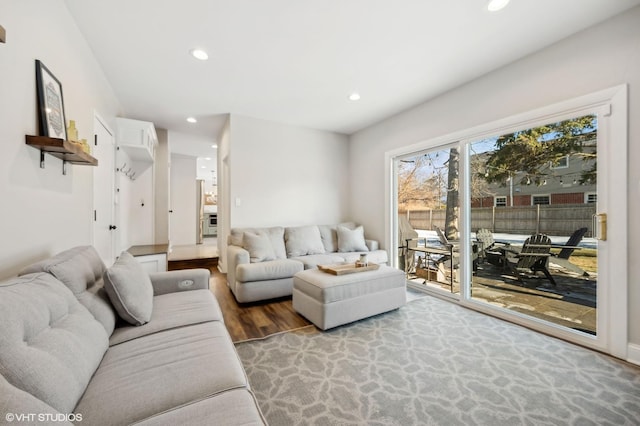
{"x":112,"y":174}
{"x":610,"y":103}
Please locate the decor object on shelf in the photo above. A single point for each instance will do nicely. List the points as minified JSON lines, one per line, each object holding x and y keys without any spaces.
{"x":3,"y":35}
{"x":50,"y":103}
{"x":72,"y":132}
{"x":85,"y":146}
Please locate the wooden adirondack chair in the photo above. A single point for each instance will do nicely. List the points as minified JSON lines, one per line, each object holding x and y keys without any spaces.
{"x":454,"y":246}
{"x":562,"y":258}
{"x":533,"y":257}
{"x":488,"y":248}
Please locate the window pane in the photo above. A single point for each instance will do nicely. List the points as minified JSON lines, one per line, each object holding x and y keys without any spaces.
{"x":536,"y":253}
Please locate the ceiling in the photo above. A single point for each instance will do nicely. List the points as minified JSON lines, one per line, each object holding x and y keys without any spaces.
{"x":297,"y":61}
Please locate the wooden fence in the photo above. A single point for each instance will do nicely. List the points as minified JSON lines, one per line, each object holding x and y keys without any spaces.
{"x":558,"y":220}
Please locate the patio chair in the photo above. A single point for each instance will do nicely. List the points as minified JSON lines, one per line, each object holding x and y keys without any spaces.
{"x":562,"y":258}
{"x":454,"y":247}
{"x":488,"y":248}
{"x":533,"y":257}
{"x":408,"y":239}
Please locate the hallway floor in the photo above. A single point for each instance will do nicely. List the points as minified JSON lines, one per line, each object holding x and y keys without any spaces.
{"x":207,"y":250}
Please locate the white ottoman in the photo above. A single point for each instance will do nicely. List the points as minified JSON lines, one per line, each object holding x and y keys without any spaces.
{"x":331,"y":300}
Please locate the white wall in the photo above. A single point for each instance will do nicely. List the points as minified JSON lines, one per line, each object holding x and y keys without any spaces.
{"x":601,"y":57}
{"x":162,"y":173}
{"x":286,"y":175}
{"x":44,"y":212}
{"x":183,"y":200}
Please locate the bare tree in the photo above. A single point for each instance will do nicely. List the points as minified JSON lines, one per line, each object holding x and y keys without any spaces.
{"x":416,"y":186}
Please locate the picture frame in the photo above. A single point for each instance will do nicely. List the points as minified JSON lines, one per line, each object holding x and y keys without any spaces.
{"x":50,"y":103}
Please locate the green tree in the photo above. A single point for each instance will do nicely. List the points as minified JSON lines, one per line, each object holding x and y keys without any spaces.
{"x":530,"y":151}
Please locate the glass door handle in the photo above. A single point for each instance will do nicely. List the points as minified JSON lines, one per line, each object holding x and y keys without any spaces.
{"x":600,"y":226}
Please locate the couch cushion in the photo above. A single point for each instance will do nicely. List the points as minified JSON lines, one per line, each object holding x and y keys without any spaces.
{"x":275,"y":233}
{"x":80,"y":269}
{"x":234,"y":407}
{"x":129,"y":288}
{"x":303,"y":240}
{"x":14,"y":400}
{"x":272,"y":270}
{"x":313,"y":260}
{"x":351,"y":239}
{"x":375,"y":256}
{"x":159,"y":372}
{"x":330,"y":236}
{"x":50,"y":345}
{"x":258,"y":245}
{"x":173,"y":310}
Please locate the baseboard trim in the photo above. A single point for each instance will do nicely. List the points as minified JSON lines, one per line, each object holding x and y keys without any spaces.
{"x":633,"y":353}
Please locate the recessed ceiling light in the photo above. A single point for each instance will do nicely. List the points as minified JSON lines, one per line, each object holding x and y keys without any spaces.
{"x":354,"y":96}
{"x":496,"y":5}
{"x":207,"y":158}
{"x":214,"y":146}
{"x":203,"y":167}
{"x":199,"y":54}
{"x":192,"y":120}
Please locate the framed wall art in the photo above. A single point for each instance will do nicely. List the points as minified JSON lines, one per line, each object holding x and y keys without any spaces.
{"x":50,"y":103}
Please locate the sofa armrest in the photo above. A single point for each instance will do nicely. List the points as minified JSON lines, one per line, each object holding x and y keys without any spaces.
{"x":236,"y":255}
{"x":372,"y":245}
{"x":182,"y":280}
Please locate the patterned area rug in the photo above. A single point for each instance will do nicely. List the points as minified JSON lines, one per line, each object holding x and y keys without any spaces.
{"x":435,"y":363}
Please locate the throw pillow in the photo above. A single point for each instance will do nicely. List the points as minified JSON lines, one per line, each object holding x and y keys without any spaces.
{"x":303,"y":240}
{"x":351,"y":239}
{"x":259,"y":246}
{"x":130,"y":290}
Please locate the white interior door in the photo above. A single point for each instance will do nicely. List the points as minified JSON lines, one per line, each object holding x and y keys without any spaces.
{"x":104,"y":226}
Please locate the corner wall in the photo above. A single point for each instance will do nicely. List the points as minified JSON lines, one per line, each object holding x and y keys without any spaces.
{"x":44,"y":212}
{"x":601,"y":57}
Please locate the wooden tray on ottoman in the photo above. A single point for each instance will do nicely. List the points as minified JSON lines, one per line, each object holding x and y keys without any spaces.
{"x":347,"y":268}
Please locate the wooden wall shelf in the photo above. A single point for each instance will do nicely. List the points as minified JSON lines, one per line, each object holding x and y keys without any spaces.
{"x":62,"y":149}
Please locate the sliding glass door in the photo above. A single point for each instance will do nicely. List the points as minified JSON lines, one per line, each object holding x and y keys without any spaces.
{"x":533,"y":196}
{"x":429,"y":208}
{"x":512,"y":221}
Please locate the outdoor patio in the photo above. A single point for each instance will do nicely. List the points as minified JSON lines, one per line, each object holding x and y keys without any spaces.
{"x":571,"y":303}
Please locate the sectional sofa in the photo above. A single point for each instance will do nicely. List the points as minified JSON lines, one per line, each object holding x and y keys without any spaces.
{"x":80,"y":343}
{"x":262,"y":261}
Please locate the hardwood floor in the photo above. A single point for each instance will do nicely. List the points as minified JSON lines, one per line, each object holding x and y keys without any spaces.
{"x":249,"y":320}
{"x":253,"y":320}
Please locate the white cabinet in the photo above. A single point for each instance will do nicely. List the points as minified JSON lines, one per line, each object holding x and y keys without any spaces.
{"x":153,"y":258}
{"x":153,"y":262}
{"x":138,"y":140}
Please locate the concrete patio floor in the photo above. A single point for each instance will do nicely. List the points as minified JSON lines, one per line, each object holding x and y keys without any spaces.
{"x":572,"y":303}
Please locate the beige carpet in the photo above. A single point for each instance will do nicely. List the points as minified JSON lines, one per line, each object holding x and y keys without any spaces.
{"x":436,"y":363}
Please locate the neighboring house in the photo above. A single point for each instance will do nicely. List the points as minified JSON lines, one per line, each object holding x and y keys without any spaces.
{"x":563,"y":183}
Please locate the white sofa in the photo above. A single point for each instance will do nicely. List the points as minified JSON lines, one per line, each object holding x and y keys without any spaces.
{"x":69,"y":352}
{"x":263,"y":261}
